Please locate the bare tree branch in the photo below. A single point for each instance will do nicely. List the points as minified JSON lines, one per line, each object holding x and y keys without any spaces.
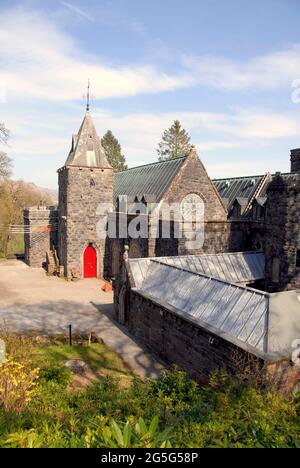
{"x":5,"y":166}
{"x":4,"y":133}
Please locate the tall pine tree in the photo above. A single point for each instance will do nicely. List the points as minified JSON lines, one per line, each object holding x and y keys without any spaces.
{"x":113,"y":152}
{"x":175,"y":143}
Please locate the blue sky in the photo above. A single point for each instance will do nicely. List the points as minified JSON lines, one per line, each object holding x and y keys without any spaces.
{"x":225,"y":69}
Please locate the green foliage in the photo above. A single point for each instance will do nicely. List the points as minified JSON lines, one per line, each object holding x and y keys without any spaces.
{"x":175,"y":143}
{"x":130,"y":435}
{"x":57,"y":374}
{"x":113,"y":152}
{"x":172,"y":410}
{"x":177,"y":386}
{"x":14,"y":197}
{"x":96,"y":355}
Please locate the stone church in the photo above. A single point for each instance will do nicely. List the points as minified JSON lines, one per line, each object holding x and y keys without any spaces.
{"x":260,"y":213}
{"x":238,"y":294}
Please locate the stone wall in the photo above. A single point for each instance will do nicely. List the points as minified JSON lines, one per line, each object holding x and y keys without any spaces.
{"x":282,"y":240}
{"x":81,"y":190}
{"x":40,"y":234}
{"x":295,"y":160}
{"x":178,"y":341}
{"x":193,"y":178}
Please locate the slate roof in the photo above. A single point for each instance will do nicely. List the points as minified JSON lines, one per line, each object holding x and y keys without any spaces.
{"x":243,"y":189}
{"x":153,"y":180}
{"x":150,"y":179}
{"x":86,"y":150}
{"x":237,"y":187}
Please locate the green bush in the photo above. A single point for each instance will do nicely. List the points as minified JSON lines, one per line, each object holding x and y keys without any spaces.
{"x":175,"y":385}
{"x":225,"y":413}
{"x":56,"y":374}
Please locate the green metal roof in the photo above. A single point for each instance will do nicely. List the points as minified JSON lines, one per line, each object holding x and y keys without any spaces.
{"x":154,"y":179}
{"x":150,"y":179}
{"x":237,"y":187}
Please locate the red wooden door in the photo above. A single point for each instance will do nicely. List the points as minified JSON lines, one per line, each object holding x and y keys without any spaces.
{"x":90,"y":262}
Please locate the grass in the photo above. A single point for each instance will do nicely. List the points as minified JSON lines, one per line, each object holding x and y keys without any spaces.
{"x":101,"y":360}
{"x":16,"y":244}
{"x":226,"y":413}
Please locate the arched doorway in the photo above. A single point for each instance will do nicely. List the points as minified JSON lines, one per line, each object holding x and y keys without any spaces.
{"x":90,"y":262}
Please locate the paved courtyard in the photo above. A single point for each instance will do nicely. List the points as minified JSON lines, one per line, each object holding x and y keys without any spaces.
{"x":32,"y":301}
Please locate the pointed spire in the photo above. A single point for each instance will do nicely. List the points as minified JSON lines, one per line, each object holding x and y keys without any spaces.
{"x":87,"y":150}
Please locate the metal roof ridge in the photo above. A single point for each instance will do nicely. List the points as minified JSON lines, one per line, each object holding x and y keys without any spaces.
{"x":151,"y":164}
{"x":237,"y":177}
{"x":250,"y":176}
{"x":207,"y":254}
{"x":203,"y":275}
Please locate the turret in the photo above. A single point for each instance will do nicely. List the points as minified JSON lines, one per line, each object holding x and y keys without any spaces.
{"x":295,"y":160}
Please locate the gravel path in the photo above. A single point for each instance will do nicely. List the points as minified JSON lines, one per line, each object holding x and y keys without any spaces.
{"x":31,"y":301}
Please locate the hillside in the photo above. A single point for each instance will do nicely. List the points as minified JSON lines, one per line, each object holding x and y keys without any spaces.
{"x":45,"y":192}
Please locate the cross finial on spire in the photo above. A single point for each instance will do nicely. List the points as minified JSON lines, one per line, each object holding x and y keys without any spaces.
{"x":88,"y":96}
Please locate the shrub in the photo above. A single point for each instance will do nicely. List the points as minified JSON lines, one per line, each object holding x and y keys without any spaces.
{"x":56,"y":374}
{"x":17,"y":385}
{"x":177,"y":386}
{"x":129,"y":435}
{"x":175,"y":391}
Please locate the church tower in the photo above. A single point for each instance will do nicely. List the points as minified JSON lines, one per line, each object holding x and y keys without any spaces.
{"x":85,"y":181}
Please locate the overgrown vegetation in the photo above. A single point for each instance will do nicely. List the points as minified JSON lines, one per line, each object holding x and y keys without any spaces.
{"x":14,"y":197}
{"x":119,"y":410}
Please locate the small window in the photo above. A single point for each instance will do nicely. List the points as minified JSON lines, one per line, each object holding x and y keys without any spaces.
{"x":298,"y":259}
{"x":275,"y":270}
{"x":236,"y":211}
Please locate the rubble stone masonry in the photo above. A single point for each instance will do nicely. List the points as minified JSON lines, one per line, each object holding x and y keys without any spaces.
{"x":81,"y":191}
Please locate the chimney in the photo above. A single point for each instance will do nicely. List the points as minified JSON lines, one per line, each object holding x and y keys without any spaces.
{"x":295,"y":160}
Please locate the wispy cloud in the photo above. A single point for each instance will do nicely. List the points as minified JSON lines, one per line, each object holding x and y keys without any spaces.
{"x":78,"y":11}
{"x":50,"y":65}
{"x":266,"y":72}
{"x":214,"y":134}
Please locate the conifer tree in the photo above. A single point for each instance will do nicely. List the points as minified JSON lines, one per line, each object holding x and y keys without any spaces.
{"x":113,"y":152}
{"x":175,"y":143}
